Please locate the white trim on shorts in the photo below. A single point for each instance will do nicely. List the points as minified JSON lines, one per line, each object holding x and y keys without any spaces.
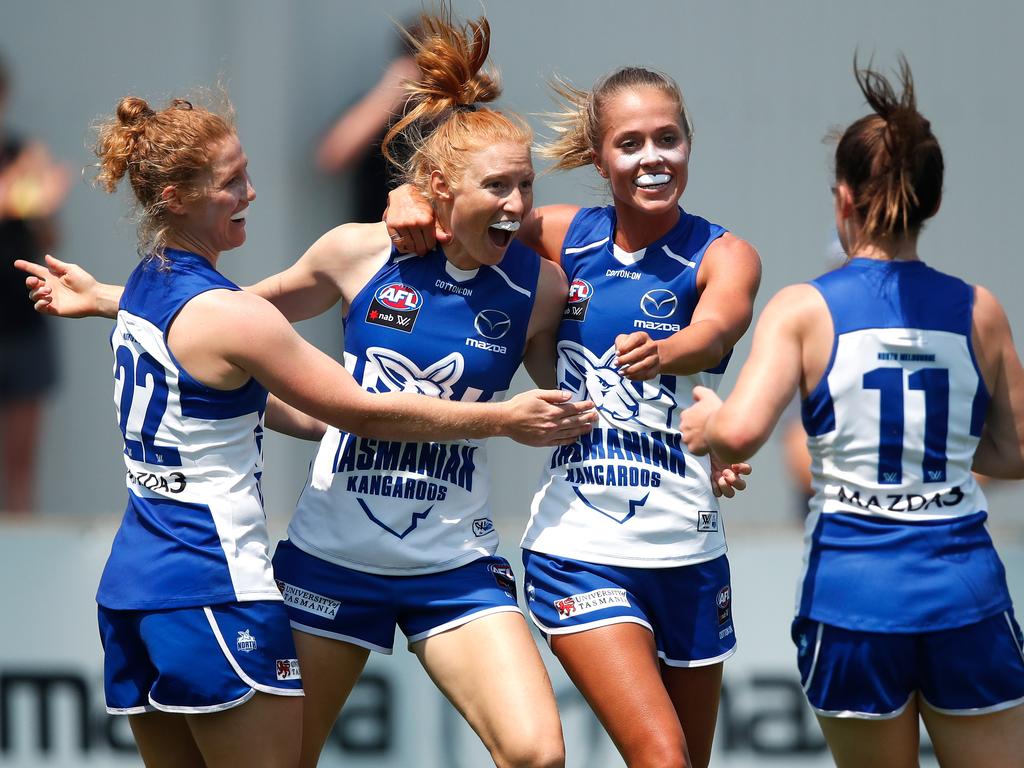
{"x":854,"y":715}
{"x":814,"y":661}
{"x":207,"y":709}
{"x":238,"y":670}
{"x":572,"y":629}
{"x":131,"y":710}
{"x":454,"y":623}
{"x":341,"y":638}
{"x":978,"y":710}
{"x":576,"y":628}
{"x":698,"y":662}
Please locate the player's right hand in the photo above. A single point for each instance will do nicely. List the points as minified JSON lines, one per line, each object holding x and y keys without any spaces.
{"x":411,"y":222}
{"x":546,"y":417}
{"x":60,"y":288}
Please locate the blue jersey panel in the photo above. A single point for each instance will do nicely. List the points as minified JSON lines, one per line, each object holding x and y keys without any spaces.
{"x":420,"y":325}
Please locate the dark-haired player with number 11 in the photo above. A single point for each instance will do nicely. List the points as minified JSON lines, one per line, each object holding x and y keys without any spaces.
{"x":909,"y":379}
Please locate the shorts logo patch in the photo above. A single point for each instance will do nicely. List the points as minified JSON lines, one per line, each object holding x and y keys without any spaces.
{"x":707,"y":521}
{"x":503,"y":575}
{"x":724,"y":603}
{"x":245,"y":641}
{"x":531,"y":591}
{"x":395,"y":305}
{"x":575,"y":605}
{"x":482,"y":526}
{"x":311,"y":602}
{"x":287,"y":669}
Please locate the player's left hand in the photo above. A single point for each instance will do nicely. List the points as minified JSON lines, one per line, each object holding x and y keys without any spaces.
{"x":693,"y":421}
{"x":637,"y":356}
{"x":726,"y":479}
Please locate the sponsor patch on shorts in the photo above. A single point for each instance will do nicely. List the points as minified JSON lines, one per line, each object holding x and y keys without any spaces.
{"x":311,"y":602}
{"x":724,"y":603}
{"x":707,"y":521}
{"x":288,"y":669}
{"x":575,"y":605}
{"x":504,"y":577}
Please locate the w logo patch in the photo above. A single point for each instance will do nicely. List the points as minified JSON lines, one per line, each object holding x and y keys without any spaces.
{"x":707,"y":521}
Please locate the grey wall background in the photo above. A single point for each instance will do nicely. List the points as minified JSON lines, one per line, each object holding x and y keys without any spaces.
{"x":764,"y":81}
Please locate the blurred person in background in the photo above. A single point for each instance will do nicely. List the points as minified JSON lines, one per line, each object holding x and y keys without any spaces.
{"x":32,"y":188}
{"x":198,"y":649}
{"x":352,"y":144}
{"x":909,"y":378}
{"x":626,"y":572}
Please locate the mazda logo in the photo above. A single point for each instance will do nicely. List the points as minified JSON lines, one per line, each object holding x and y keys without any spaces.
{"x":492,"y":323}
{"x":659,"y":302}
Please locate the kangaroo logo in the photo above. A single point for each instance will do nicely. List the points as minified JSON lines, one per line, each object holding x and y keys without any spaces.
{"x":403,"y":375}
{"x":620,"y":401}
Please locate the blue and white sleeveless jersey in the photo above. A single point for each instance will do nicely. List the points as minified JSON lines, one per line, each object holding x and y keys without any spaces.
{"x":628,"y":494}
{"x":420,"y":325}
{"x":194,"y":532}
{"x":896,"y":538}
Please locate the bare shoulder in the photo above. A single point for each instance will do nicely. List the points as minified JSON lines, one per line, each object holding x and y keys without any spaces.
{"x":544,"y":229}
{"x":221,"y":310}
{"x":355,"y":242}
{"x":552,"y":279}
{"x":733,"y":253}
{"x":796,"y":306}
{"x":989,"y":315}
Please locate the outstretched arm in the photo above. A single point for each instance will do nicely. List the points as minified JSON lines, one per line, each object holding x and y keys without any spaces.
{"x":63,"y":289}
{"x":282,"y":418}
{"x":334,"y":268}
{"x":735,"y":430}
{"x":254,"y":339}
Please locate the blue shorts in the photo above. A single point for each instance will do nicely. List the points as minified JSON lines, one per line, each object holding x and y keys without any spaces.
{"x":363,"y":608}
{"x":969,"y":670}
{"x":689,"y":608}
{"x":201,"y":659}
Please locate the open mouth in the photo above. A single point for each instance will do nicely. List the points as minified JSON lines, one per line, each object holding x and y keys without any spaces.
{"x":502,"y":232}
{"x":239,"y":218}
{"x":653,"y":180}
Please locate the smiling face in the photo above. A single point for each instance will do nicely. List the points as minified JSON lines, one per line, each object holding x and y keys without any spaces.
{"x":484,"y":208}
{"x":214,"y":220}
{"x":644,"y":150}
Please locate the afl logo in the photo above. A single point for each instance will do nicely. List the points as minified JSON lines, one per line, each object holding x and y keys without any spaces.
{"x":659,"y":303}
{"x":724,"y":597}
{"x":492,"y":323}
{"x":580,"y":290}
{"x":399,"y":297}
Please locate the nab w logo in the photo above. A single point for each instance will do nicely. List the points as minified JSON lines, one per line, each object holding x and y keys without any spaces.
{"x":707,"y":521}
{"x":936,"y":475}
{"x":891,"y":477}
